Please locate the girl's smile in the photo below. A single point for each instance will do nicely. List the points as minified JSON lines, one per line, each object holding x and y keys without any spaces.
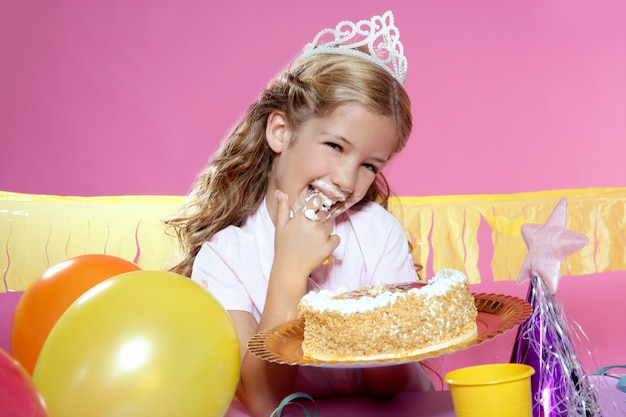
{"x":325,"y":199}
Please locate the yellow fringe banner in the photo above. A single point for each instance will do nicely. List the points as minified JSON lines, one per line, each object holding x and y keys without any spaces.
{"x":447,"y":228}
{"x":39,"y":231}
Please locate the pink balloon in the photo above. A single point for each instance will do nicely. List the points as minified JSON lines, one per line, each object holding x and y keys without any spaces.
{"x":19,"y":396}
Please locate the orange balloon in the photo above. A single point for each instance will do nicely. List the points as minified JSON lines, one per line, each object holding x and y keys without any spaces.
{"x":47,"y":298}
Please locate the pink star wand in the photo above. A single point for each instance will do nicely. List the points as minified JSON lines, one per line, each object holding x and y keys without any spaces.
{"x":543,"y":340}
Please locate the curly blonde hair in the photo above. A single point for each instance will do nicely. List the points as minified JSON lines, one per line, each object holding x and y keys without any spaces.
{"x":234,"y":183}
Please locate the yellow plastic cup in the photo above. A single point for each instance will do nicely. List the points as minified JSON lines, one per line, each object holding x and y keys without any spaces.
{"x":493,"y":390}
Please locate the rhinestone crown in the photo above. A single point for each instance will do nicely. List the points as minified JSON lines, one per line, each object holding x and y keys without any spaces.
{"x":380,"y":35}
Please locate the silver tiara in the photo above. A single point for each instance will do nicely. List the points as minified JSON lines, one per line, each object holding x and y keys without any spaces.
{"x":380,"y":35}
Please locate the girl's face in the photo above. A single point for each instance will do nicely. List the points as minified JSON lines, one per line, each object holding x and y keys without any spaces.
{"x":335,"y":157}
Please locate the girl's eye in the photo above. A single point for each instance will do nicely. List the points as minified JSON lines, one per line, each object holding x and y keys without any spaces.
{"x":372,"y":168}
{"x":334,"y":146}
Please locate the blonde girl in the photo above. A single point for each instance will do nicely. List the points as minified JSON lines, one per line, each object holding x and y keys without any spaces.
{"x":295,"y":201}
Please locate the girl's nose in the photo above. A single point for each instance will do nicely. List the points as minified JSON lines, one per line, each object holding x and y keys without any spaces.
{"x":345,"y":178}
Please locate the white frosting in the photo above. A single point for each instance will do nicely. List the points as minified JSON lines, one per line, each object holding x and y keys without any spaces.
{"x":329,"y":193}
{"x":325,"y":299}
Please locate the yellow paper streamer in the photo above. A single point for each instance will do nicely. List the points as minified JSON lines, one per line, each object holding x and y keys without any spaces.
{"x":38,"y":231}
{"x":598,"y":213}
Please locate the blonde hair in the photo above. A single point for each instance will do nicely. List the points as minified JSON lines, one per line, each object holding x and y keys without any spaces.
{"x":234,"y":183}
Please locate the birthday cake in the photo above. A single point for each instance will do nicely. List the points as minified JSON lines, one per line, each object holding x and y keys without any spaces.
{"x":389,"y":321}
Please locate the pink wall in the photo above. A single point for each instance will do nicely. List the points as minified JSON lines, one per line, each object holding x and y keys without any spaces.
{"x":118,"y":97}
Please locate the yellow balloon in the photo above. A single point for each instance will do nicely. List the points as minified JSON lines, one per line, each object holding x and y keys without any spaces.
{"x":143,"y":343}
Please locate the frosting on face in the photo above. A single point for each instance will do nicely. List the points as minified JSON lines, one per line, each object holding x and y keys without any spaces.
{"x":380,"y":295}
{"x":329,"y":199}
{"x":325,"y":201}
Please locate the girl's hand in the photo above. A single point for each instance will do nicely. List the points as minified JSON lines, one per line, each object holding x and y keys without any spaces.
{"x":302,"y":242}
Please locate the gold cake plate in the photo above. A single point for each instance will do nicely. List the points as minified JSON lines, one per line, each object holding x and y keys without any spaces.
{"x":496,"y":315}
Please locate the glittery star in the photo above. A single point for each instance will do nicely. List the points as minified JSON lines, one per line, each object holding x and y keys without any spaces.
{"x":548,"y":245}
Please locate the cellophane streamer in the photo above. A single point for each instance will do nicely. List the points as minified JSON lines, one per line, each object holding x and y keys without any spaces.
{"x":544,"y":341}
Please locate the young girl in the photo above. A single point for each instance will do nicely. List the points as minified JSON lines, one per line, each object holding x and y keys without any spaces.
{"x":294,"y":201}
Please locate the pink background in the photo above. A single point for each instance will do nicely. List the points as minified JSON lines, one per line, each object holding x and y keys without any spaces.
{"x":132,"y":97}
{"x":119,"y":97}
